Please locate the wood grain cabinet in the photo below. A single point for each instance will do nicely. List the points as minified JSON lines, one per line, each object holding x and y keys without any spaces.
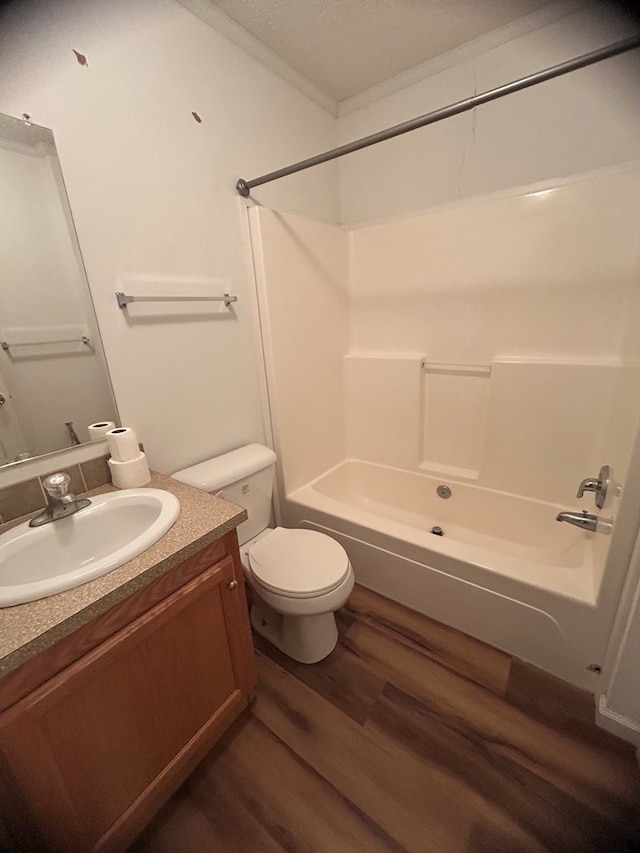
{"x":90,"y":753}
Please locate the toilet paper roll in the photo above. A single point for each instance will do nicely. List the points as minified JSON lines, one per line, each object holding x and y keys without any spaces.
{"x":123,"y":444}
{"x":130,"y":474}
{"x":99,"y":429}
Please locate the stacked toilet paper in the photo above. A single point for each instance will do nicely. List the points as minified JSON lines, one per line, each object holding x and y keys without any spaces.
{"x":100,"y":429}
{"x":128,"y":464}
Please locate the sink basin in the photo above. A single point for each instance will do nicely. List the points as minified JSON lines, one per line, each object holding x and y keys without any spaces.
{"x":40,"y":561}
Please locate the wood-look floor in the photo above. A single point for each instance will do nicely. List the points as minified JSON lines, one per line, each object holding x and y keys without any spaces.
{"x":409,"y":736}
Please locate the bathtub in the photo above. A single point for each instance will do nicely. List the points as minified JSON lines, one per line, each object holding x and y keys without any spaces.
{"x":503,"y":569}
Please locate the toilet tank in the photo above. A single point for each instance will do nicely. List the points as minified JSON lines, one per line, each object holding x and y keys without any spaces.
{"x":244,"y":477}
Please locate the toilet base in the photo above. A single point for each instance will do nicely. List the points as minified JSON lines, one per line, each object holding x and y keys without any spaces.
{"x":307,"y":639}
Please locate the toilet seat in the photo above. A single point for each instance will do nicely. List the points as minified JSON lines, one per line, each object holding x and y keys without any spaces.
{"x":298,"y":563}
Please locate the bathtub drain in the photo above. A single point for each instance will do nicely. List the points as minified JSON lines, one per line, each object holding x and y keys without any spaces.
{"x":438,"y":531}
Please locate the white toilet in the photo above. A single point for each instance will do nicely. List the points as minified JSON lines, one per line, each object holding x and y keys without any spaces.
{"x":299,"y":577}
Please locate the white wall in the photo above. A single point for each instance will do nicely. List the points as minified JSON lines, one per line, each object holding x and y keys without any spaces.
{"x":152,"y":192}
{"x":584,"y":120}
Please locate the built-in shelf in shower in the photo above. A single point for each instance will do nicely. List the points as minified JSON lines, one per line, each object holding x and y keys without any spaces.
{"x":483,"y":370}
{"x":454,"y":405}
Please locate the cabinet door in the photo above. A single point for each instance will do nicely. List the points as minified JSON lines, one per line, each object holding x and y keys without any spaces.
{"x":95,"y":750}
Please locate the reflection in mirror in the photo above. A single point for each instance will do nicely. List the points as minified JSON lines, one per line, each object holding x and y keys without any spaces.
{"x":53,"y":376}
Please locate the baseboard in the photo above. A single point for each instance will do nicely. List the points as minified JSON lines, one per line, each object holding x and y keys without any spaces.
{"x":623,"y":727}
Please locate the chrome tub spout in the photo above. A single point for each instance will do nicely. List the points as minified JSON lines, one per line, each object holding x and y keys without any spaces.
{"x":584,"y":520}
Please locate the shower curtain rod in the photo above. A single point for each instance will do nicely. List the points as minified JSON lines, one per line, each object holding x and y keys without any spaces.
{"x":245,"y":187}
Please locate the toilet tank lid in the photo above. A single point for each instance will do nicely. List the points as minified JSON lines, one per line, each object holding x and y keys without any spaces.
{"x":214,"y":474}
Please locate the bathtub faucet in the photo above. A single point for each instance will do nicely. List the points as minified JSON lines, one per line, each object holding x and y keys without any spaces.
{"x":584,"y":520}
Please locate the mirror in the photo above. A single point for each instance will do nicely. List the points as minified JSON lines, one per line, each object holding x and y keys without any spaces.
{"x":54,"y":381}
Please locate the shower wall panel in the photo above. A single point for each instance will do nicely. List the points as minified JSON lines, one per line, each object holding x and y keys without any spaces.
{"x":544,"y":433}
{"x":493,"y":340}
{"x":382,"y":408}
{"x":541,"y":283}
{"x":544,"y":272}
{"x":301,"y":276}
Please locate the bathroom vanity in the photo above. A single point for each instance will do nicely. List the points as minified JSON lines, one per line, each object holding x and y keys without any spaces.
{"x":114,"y":691}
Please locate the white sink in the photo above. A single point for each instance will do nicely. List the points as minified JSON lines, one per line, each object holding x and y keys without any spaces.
{"x":40,"y":561}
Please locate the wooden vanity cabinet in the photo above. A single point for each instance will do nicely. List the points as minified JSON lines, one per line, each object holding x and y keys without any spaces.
{"x":90,"y":754}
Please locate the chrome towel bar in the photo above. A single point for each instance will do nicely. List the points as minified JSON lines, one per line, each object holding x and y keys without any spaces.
{"x":84,"y":339}
{"x":124,"y":299}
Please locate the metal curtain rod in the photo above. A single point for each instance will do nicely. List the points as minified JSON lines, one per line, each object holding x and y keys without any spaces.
{"x":245,"y":187}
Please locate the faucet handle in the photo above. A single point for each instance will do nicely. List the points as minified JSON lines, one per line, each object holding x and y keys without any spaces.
{"x":599,"y":485}
{"x":57,"y":485}
{"x":588,"y":485}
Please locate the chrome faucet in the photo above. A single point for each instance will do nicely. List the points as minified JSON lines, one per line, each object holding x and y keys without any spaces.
{"x":586,"y":521}
{"x":60,"y":502}
{"x":599,"y":485}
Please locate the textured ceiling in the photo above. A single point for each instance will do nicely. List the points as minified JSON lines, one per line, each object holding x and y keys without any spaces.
{"x":346,"y":46}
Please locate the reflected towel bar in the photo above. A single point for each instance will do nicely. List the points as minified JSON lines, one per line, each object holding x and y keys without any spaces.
{"x":6,"y":345}
{"x":124,"y":299}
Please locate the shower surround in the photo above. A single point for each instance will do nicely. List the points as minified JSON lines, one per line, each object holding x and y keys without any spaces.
{"x":492,"y":346}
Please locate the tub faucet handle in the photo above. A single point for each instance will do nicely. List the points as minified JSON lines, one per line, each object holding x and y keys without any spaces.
{"x":590,"y":484}
{"x":599,"y":485}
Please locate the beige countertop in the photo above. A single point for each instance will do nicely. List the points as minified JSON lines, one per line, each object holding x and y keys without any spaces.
{"x":27,"y":629}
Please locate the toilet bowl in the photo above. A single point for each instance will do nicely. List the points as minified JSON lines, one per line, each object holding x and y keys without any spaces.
{"x":299,"y":579}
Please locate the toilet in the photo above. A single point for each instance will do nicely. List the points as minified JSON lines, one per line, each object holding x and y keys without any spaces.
{"x":299,"y":578}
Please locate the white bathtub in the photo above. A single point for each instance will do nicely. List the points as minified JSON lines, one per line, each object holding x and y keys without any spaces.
{"x":504,"y":570}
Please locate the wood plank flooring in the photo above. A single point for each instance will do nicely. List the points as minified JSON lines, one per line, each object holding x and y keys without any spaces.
{"x":409,"y":737}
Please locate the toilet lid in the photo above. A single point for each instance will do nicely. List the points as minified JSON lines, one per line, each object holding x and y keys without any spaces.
{"x":298,"y":563}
